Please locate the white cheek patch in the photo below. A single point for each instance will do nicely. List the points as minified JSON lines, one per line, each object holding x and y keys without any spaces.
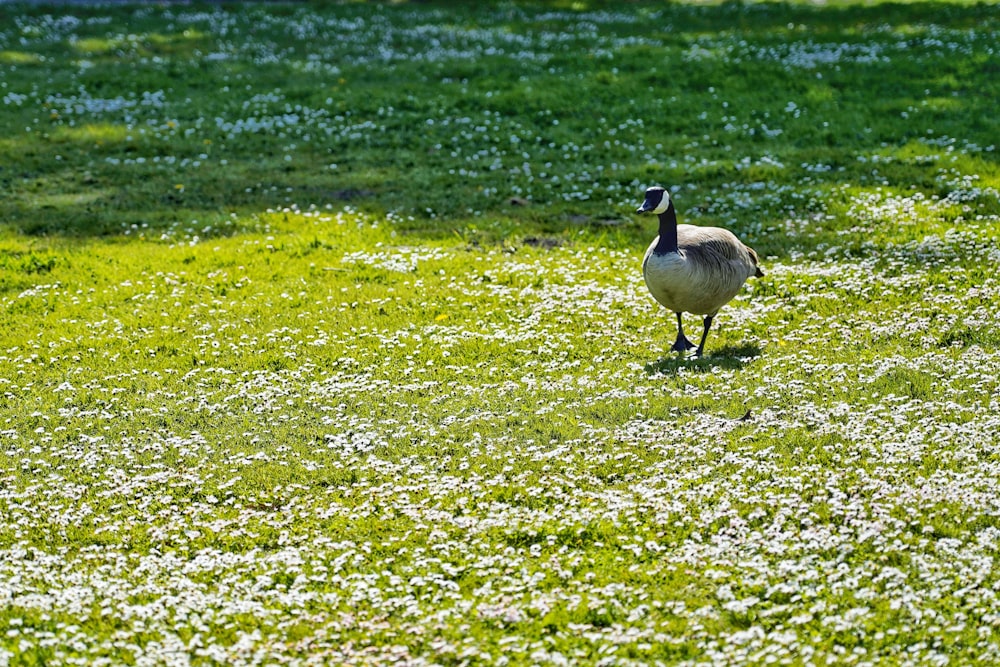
{"x":664,"y":203}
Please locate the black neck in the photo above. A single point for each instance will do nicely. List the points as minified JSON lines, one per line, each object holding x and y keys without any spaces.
{"x":668,"y":232}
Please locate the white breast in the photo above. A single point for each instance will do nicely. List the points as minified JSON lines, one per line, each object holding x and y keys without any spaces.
{"x":698,"y":278}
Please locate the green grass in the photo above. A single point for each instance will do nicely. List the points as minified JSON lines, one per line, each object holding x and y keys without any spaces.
{"x":325,"y":341}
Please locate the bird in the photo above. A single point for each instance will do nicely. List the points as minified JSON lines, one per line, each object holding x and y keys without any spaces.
{"x":693,"y":269}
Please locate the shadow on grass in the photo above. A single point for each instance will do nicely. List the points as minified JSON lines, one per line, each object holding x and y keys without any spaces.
{"x":730,"y":356}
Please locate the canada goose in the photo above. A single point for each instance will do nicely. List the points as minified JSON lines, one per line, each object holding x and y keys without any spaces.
{"x":692,"y":269}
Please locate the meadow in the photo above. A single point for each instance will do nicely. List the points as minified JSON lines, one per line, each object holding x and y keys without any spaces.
{"x":324,"y":337}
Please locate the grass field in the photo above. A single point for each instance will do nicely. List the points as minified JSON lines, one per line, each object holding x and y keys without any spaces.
{"x":324,"y":338}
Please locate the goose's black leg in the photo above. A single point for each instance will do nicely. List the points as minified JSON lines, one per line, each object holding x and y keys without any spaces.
{"x":704,"y":335}
{"x":682,"y":344}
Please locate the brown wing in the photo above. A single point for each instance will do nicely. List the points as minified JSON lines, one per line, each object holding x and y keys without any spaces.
{"x":717,"y":246}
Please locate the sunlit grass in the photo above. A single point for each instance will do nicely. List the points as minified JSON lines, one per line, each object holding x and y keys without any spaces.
{"x":325,"y":338}
{"x":20,"y":58}
{"x":68,"y":199}
{"x":97,"y":134}
{"x":97,"y":45}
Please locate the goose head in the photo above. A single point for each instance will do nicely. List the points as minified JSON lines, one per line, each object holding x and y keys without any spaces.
{"x":657,"y":201}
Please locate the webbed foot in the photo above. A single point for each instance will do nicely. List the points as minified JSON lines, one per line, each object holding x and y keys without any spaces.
{"x":682,"y":344}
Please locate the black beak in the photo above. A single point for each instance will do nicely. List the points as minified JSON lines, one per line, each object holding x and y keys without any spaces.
{"x":645,"y":208}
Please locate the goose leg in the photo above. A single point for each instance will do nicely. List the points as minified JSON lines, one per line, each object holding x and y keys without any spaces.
{"x":682,"y":344}
{"x":704,"y":335}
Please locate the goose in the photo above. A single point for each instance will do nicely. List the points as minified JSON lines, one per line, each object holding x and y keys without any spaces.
{"x":690,"y":269}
